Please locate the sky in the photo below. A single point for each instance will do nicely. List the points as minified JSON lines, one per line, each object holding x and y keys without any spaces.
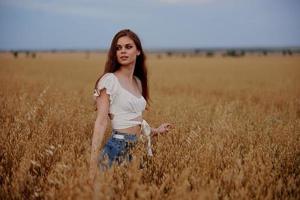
{"x":91,"y":24}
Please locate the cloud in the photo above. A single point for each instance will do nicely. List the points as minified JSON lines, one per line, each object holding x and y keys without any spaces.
{"x":86,"y":8}
{"x":113,"y":11}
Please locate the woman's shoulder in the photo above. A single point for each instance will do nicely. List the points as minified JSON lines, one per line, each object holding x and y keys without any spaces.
{"x":109,"y":78}
{"x":108,"y":75}
{"x":109,"y":82}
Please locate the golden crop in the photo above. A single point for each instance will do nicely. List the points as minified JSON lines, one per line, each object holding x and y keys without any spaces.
{"x":236,"y":136}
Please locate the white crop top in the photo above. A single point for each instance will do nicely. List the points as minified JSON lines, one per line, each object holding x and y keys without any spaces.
{"x":124,"y":106}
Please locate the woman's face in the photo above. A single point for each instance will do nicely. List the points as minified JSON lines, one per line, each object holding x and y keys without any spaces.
{"x":126,"y":51}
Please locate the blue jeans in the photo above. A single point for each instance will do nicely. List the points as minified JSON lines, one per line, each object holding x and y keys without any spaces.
{"x":117,"y":150}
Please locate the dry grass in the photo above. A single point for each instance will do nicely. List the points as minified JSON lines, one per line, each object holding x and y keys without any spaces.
{"x":237,"y":129}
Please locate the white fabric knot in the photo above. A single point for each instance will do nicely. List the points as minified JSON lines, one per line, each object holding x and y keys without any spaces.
{"x":146,"y":130}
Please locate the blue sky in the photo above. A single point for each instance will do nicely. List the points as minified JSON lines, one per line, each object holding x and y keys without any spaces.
{"x":91,"y":24}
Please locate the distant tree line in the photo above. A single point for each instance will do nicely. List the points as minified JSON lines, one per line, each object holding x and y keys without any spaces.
{"x":179,"y":53}
{"x":226,"y":52}
{"x":31,"y":54}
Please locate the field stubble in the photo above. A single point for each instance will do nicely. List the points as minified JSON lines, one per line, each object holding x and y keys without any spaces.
{"x":237,"y":131}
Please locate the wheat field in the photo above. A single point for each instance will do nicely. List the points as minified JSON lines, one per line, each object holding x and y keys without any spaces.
{"x":236,"y":135}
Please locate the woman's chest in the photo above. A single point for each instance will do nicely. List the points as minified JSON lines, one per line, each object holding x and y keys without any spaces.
{"x":127,"y":102}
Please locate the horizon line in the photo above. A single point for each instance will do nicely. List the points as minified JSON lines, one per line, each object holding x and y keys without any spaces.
{"x":157,"y":49}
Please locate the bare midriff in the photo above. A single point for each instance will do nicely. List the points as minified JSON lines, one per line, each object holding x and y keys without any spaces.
{"x":133,"y":129}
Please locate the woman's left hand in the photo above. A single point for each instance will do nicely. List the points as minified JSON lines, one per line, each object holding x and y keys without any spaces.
{"x":164,"y":128}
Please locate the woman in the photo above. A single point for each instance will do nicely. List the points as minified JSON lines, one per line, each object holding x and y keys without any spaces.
{"x":121,"y":95}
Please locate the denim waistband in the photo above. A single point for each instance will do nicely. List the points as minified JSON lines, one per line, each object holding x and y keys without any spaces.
{"x":127,"y":136}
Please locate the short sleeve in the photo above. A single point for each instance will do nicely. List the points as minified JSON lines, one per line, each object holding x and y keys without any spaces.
{"x":109,"y":82}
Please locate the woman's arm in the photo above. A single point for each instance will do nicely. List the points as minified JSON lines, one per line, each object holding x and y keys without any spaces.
{"x":99,"y":130}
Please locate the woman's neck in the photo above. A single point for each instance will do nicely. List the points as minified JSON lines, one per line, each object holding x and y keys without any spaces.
{"x":127,"y":72}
